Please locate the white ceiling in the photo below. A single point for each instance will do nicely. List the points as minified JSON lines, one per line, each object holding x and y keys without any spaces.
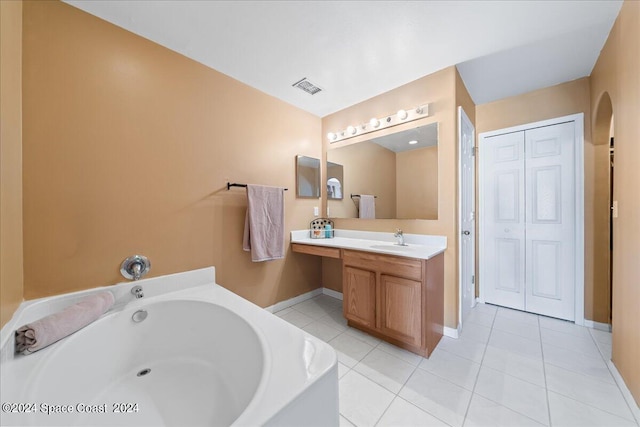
{"x":355,"y":50}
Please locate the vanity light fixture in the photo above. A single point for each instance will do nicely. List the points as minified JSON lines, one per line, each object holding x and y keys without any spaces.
{"x":402,"y":116}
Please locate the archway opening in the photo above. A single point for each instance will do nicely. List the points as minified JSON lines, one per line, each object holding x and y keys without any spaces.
{"x":603,"y":140}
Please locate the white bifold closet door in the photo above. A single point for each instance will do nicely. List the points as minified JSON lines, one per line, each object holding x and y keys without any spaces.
{"x":528,"y":246}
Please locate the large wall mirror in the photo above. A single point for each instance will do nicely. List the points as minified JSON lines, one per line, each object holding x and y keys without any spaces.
{"x":400,"y":170}
{"x":307,"y":177}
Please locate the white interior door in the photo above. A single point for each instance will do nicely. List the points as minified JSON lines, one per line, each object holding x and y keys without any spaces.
{"x":550,"y":225}
{"x":528,"y":220}
{"x":502,"y":250}
{"x":466,"y":136}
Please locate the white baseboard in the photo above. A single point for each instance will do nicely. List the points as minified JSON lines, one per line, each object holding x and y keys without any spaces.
{"x":332,"y":293}
{"x":451,"y":332}
{"x":293,"y":301}
{"x":635,"y":410}
{"x":597,"y":325}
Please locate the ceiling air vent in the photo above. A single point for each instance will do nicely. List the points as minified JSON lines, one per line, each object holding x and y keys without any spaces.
{"x":307,"y":86}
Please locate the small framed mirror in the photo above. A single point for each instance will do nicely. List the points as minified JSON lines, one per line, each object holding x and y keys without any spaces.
{"x":307,"y":177}
{"x":335,"y":181}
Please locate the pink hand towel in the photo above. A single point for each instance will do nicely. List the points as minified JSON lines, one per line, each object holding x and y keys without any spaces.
{"x":367,"y":206}
{"x":43,"y":332}
{"x":264,"y":223}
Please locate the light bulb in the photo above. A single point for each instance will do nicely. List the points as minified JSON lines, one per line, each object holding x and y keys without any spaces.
{"x":332,"y":136}
{"x":374,"y":123}
{"x":402,"y":114}
{"x":414,"y":142}
{"x":351,"y":130}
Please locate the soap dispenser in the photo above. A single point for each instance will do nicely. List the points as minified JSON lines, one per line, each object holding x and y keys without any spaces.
{"x":327,"y":231}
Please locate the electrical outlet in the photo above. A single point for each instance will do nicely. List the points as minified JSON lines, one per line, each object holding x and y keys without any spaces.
{"x":614,"y":209}
{"x":316,"y":211}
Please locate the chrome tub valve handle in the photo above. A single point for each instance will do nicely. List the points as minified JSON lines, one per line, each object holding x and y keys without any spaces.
{"x":135,"y":267}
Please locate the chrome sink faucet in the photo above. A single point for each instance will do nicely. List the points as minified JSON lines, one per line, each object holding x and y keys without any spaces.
{"x":398,"y":235}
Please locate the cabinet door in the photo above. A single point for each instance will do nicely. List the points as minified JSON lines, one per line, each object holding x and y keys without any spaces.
{"x":359,"y":295}
{"x":401,"y":309}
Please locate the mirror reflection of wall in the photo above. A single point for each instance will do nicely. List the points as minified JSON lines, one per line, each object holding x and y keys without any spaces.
{"x":335,"y":181}
{"x":307,"y":177}
{"x":400,"y":169}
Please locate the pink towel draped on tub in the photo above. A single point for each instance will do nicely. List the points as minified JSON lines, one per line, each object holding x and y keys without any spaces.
{"x":264,"y":223}
{"x":36,"y":335}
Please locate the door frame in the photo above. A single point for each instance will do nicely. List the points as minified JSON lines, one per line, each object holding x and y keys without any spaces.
{"x":463,"y":115}
{"x":578,"y":120}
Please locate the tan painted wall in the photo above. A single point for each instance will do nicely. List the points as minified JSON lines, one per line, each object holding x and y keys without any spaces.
{"x":11,"y":258}
{"x":556,"y":101}
{"x":547,"y":103}
{"x":439,"y":90}
{"x":368,"y":169}
{"x":127,"y":149}
{"x":617,"y":72}
{"x":332,"y":274}
{"x":417,"y":183}
{"x":464,"y":100}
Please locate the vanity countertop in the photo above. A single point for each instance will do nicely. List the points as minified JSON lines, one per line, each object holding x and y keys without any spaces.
{"x":418,"y":245}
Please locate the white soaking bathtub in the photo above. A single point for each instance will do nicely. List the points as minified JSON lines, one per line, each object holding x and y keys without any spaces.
{"x":202,"y":356}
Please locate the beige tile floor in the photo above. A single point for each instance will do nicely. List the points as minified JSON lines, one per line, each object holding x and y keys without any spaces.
{"x":508,"y":368}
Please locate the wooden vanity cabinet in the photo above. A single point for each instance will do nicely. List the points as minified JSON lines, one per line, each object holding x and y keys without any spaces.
{"x":398,"y":299}
{"x":359,"y":296}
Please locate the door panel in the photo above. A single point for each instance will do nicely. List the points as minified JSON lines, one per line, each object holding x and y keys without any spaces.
{"x":547,"y":195}
{"x":550,"y":224}
{"x":359,"y":295}
{"x":503,"y":242}
{"x":507,"y":197}
{"x":508,"y":256}
{"x":546,"y":262}
{"x":401,"y":313}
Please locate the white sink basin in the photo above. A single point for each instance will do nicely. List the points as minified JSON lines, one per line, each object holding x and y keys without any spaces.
{"x":391,"y":247}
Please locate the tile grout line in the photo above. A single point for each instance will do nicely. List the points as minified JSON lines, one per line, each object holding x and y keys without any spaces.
{"x":507,"y":374}
{"x":351,"y":422}
{"x":544,"y":374}
{"x":397,"y":395}
{"x":594,"y":407}
{"x":475,"y":383}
